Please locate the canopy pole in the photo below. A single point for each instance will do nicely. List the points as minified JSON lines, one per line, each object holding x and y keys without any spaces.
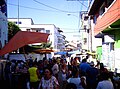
{"x":24,"y":53}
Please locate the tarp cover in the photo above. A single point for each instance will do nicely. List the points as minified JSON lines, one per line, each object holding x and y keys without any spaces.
{"x":23,"y":38}
{"x":61,"y":53}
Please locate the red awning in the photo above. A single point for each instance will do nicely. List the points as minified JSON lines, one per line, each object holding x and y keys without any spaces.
{"x":23,"y":38}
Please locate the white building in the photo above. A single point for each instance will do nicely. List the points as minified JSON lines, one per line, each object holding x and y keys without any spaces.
{"x":89,"y":42}
{"x":27,"y":24}
{"x":61,"y":41}
{"x":3,"y":23}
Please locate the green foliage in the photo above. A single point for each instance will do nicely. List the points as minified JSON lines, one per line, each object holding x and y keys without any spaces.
{"x":12,"y":29}
{"x":46,"y":45}
{"x":43,"y":45}
{"x":28,"y":48}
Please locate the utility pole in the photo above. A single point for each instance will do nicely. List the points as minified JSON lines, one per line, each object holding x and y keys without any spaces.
{"x":18,"y":21}
{"x":18,"y":13}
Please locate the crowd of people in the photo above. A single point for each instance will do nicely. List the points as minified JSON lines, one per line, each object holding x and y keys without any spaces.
{"x":56,"y":73}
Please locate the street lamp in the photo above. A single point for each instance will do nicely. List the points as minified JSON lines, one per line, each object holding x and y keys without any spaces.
{"x":78,"y":17}
{"x":72,"y":15}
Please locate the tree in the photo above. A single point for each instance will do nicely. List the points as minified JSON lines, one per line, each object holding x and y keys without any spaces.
{"x":12,"y":29}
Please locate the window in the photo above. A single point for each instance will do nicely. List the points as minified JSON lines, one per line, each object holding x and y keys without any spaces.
{"x":0,"y":33}
{"x":17,"y":22}
{"x":5,"y":41}
{"x":109,"y":2}
{"x":94,"y":19}
{"x":48,"y":31}
{"x":86,"y":18}
{"x":28,"y":30}
{"x":38,"y":30}
{"x":4,"y":9}
{"x":111,"y":46}
{"x":102,"y":9}
{"x":85,"y":40}
{"x":20,"y":22}
{"x":0,"y":44}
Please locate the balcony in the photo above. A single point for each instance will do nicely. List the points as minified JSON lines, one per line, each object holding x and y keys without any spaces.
{"x":110,"y":16}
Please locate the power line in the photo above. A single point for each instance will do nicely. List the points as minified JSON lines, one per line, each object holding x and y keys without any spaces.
{"x":75,"y":31}
{"x":80,"y":2}
{"x":54,"y":7}
{"x":40,"y":9}
{"x":77,"y":0}
{"x":83,"y":4}
{"x":32,"y":8}
{"x":70,"y":28}
{"x":72,"y":32}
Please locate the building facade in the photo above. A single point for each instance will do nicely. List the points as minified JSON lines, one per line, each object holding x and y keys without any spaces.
{"x":84,"y":30}
{"x":88,"y":40}
{"x":105,"y":15}
{"x":61,"y":41}
{"x":3,"y":23}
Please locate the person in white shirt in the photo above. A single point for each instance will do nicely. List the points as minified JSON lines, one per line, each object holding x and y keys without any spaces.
{"x":80,"y":82}
{"x":105,"y":83}
{"x":55,"y":69}
{"x":48,"y":81}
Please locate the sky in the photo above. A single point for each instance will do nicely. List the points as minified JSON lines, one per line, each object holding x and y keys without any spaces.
{"x":62,"y":13}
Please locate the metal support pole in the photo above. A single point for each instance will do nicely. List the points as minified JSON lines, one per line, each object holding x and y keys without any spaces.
{"x":18,"y":13}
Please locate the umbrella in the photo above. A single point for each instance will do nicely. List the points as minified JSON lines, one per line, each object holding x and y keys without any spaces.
{"x":91,"y":53}
{"x":44,"y":50}
{"x":23,"y":38}
{"x":74,"y":52}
